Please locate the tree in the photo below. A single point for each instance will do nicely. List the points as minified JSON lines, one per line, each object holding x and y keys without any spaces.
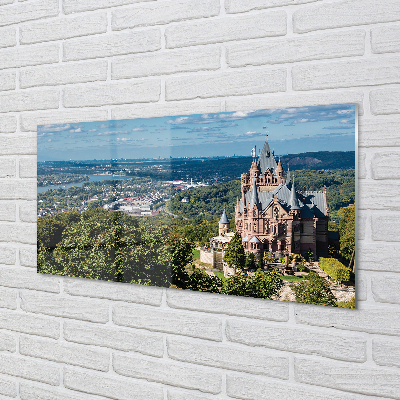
{"x":314,"y":290}
{"x":234,"y":255}
{"x":250,"y":261}
{"x":347,"y":231}
{"x":261,"y":285}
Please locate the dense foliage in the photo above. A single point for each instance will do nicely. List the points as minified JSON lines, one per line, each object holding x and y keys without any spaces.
{"x":335,"y":269}
{"x":347,"y":231}
{"x":60,"y":178}
{"x":314,"y":290}
{"x":234,"y":254}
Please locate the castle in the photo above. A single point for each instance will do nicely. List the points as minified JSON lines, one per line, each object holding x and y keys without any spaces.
{"x":273,"y":216}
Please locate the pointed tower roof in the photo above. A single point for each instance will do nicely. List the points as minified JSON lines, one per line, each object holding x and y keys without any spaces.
{"x":266,"y":159}
{"x":288,"y":176}
{"x":294,"y":202}
{"x":254,"y":196}
{"x":224,"y":218}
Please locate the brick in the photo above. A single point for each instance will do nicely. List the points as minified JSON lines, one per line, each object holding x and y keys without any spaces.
{"x":299,"y":100}
{"x":378,"y":256}
{"x":31,"y":392}
{"x":28,"y":279}
{"x":30,"y":324}
{"x":28,"y":11}
{"x":3,"y":2}
{"x":162,"y":109}
{"x":27,"y":211}
{"x":8,"y":299}
{"x":8,"y":124}
{"x":73,"y":6}
{"x":63,"y":28}
{"x":386,"y":227}
{"x":315,"y":47}
{"x":51,"y":350}
{"x":385,"y":101}
{"x":167,"y":63}
{"x":86,"y":310}
{"x":163,"y":320}
{"x":351,"y":378}
{"x":8,"y":388}
{"x":167,"y":372}
{"x":186,"y":395}
{"x":17,"y":189}
{"x":386,"y":352}
{"x":7,"y":342}
{"x":228,"y":357}
{"x":114,"y":291}
{"x":344,"y":13}
{"x":7,"y":254}
{"x":19,"y":233}
{"x":346,"y":73}
{"x":23,"y":56}
{"x":26,"y":100}
{"x":225,"y":29}
{"x":361,"y":288}
{"x":7,"y":167}
{"x":148,"y":343}
{"x":385,"y":289}
{"x":114,"y":44}
{"x":30,"y":120}
{"x":237,"y":6}
{"x":378,"y":132}
{"x":386,"y":165}
{"x":62,"y":74}
{"x":231,"y":305}
{"x":374,"y":320}
{"x":388,"y":193}
{"x":308,"y":341}
{"x":362,"y":222}
{"x":253,"y":388}
{"x":28,"y":167}
{"x":8,"y":37}
{"x":7,"y":80}
{"x":27,"y":256}
{"x":385,"y":39}
{"x":23,"y":367}
{"x":163,"y":13}
{"x":226,"y":84}
{"x":114,"y":93}
{"x":111,"y":387}
{"x":362,"y":169}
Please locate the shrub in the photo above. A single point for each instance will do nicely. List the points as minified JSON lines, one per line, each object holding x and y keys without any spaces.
{"x":335,"y":269}
{"x":302,"y":268}
{"x":348,"y":304}
{"x":314,"y":290}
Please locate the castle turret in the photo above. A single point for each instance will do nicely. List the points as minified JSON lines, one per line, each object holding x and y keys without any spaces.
{"x":254,"y":197}
{"x":279,"y":170}
{"x":224,"y":224}
{"x":294,"y":202}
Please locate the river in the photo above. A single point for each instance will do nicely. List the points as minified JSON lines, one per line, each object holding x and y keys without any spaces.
{"x":92,"y":178}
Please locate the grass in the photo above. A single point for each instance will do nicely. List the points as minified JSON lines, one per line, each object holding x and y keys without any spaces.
{"x":220,"y":275}
{"x":196,"y":254}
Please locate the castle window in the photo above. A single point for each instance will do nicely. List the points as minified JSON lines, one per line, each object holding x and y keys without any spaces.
{"x":255,"y":213}
{"x":301,"y":228}
{"x":276,"y":213}
{"x":255,"y":228}
{"x":247,"y":226}
{"x":266,"y":226}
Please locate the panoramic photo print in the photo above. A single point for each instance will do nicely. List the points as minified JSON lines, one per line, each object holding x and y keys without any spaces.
{"x":257,"y":203}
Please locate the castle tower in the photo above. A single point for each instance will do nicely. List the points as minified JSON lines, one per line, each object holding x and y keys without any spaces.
{"x":224,"y":224}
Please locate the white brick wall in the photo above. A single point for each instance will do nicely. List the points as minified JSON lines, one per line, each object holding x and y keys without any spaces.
{"x":64,"y":61}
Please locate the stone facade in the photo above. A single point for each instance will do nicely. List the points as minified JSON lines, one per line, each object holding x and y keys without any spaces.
{"x":273,"y":216}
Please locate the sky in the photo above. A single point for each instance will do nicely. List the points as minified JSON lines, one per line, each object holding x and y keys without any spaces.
{"x":290,"y":131}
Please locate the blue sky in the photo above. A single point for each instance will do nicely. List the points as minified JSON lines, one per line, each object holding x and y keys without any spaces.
{"x":290,"y":131}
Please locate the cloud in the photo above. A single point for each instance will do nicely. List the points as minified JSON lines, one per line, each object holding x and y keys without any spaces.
{"x":108,"y":125}
{"x":108,"y":133}
{"x":139,"y":130}
{"x":53,"y":128}
{"x":77,"y":130}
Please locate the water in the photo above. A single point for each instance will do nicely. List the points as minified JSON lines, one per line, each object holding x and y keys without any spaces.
{"x":92,"y":178}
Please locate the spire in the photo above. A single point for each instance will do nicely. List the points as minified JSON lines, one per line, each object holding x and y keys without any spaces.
{"x":294,"y":202}
{"x":224,"y":218}
{"x":266,"y":159}
{"x":254,"y":196}
{"x":288,"y":176}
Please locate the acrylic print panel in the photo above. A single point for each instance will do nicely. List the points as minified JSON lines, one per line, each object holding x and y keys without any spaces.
{"x":258,"y":203}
